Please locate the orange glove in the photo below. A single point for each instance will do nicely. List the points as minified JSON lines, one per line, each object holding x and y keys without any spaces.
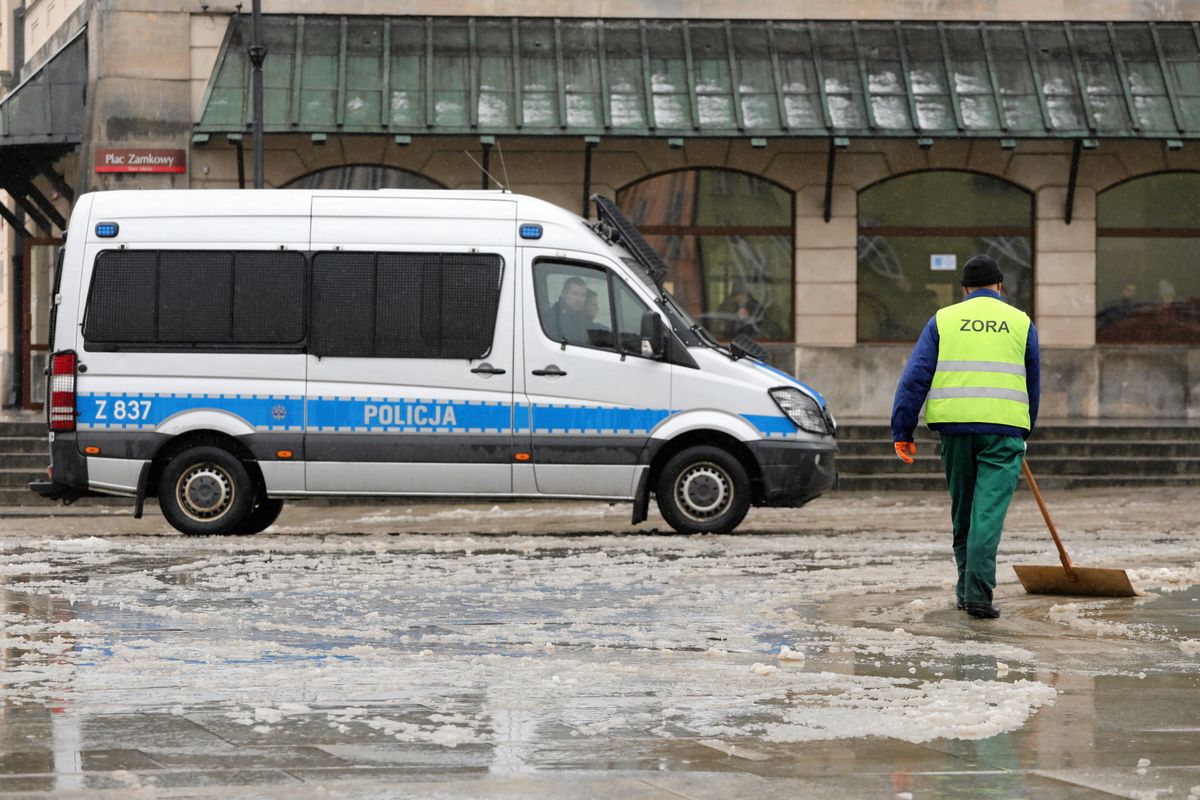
{"x":905,"y":451}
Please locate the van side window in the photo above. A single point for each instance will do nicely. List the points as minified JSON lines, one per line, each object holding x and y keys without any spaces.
{"x":404,"y":305}
{"x":573,"y":303}
{"x":630,"y":310}
{"x":196,"y":298}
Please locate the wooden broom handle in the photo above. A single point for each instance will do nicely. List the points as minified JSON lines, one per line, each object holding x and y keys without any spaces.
{"x":1037,"y":495}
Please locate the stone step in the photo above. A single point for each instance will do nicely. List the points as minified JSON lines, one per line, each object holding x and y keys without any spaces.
{"x":1064,"y":466}
{"x":24,"y":444}
{"x":23,"y":428}
{"x":21,"y":496}
{"x":19,"y":478}
{"x":31,"y":461}
{"x":1136,"y":432}
{"x":937,"y":482}
{"x":1047,"y":449}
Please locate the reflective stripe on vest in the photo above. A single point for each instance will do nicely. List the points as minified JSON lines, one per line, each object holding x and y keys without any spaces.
{"x":980,"y":375}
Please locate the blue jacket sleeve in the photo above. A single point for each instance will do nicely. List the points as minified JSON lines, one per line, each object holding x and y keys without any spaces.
{"x":914,"y":384}
{"x":1033,"y":374}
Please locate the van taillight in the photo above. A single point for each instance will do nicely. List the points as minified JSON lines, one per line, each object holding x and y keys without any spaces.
{"x":62,"y":392}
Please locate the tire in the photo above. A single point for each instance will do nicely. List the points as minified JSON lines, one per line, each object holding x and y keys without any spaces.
{"x":206,"y":491}
{"x":264,"y":514}
{"x":703,"y":490}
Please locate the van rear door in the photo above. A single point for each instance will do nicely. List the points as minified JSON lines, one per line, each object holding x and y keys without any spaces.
{"x":410,"y":366}
{"x":193,"y":320}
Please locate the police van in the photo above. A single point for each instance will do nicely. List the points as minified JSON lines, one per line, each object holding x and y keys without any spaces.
{"x":225,"y":350}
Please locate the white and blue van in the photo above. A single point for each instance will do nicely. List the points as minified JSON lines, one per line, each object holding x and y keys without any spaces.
{"x":225,"y":350}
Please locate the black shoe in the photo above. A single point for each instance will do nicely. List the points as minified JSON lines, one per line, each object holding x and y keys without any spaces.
{"x":959,"y":605}
{"x":983,"y":610}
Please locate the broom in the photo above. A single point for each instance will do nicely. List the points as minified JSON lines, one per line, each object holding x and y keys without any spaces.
{"x":1068,"y":579}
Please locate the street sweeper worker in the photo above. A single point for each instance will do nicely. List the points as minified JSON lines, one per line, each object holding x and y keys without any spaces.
{"x":976,"y":368}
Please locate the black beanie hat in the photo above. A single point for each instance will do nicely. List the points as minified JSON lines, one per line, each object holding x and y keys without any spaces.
{"x":981,"y":271}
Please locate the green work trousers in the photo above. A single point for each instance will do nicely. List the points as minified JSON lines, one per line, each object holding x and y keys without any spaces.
{"x":982,"y":470}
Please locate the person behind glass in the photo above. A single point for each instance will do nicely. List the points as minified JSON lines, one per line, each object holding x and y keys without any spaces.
{"x":976,"y":368}
{"x":591,"y":309}
{"x":741,"y":310}
{"x":569,"y":311}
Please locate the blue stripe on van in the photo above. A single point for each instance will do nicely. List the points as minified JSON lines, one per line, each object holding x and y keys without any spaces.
{"x":112,"y":410}
{"x":109,"y":410}
{"x":522,"y":418}
{"x":404,"y":415}
{"x":771,"y":426}
{"x":790,"y":379}
{"x":596,"y":419}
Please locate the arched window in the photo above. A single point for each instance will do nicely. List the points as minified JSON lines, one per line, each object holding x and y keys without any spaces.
{"x":726,"y":238}
{"x":362,"y":176}
{"x":915,"y":232}
{"x":1147,"y":265}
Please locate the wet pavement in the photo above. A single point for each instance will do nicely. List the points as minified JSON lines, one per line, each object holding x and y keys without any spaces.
{"x":537,"y":650}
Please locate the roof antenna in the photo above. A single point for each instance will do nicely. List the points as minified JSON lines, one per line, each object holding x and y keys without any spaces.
{"x":503,"y":165}
{"x":484,"y":171}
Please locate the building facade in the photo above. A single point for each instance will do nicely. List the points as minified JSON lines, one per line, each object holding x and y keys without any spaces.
{"x":812,"y":172}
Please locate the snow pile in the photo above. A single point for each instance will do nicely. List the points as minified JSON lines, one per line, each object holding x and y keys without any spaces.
{"x":788,"y":654}
{"x":913,"y":712}
{"x":1166,"y":579}
{"x":1072,"y":615}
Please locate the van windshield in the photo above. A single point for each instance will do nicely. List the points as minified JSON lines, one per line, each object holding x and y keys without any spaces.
{"x":635,"y":252}
{"x":684,"y":324}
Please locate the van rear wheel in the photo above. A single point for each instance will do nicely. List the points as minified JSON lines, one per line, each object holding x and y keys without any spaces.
{"x":206,"y":491}
{"x":703,"y":490}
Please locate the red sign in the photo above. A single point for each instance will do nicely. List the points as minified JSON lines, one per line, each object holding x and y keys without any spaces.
{"x":140,"y":159}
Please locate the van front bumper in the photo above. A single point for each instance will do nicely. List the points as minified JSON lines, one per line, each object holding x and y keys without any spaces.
{"x":795,"y":472}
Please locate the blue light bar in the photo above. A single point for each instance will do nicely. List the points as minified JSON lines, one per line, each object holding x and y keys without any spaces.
{"x":106,"y":230}
{"x":531,"y":231}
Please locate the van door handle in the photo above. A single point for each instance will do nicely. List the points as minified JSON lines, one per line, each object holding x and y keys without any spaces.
{"x":487,"y":369}
{"x":551,"y":371}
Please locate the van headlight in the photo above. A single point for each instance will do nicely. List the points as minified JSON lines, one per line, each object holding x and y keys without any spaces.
{"x":801,"y":409}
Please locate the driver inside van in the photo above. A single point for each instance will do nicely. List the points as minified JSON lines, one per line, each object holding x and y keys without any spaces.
{"x":570,"y":313}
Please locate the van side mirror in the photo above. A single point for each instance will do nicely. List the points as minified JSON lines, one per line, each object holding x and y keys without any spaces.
{"x":655,"y":337}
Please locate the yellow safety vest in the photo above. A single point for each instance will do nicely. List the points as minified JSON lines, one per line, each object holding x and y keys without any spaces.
{"x":980,"y":375}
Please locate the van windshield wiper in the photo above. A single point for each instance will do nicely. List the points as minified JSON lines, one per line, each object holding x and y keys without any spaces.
{"x":614,"y":227}
{"x":711,"y":341}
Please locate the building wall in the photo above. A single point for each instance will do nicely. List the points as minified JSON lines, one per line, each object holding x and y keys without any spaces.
{"x":42,"y":18}
{"x":1082,"y":380}
{"x":986,"y":10}
{"x":147,"y":90}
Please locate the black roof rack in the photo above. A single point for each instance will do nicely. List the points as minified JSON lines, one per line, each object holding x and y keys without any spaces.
{"x":613,"y":226}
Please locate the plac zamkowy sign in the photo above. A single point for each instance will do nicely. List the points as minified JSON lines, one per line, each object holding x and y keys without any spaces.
{"x":140,"y":159}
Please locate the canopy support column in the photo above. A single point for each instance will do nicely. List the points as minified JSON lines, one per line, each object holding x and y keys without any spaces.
{"x":835,"y":144}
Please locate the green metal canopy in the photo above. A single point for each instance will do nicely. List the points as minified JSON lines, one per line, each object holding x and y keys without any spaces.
{"x":47,"y":107}
{"x":543,"y":76}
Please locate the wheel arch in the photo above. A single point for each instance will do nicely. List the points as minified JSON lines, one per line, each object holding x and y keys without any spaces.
{"x":202,"y":438}
{"x":711,"y":438}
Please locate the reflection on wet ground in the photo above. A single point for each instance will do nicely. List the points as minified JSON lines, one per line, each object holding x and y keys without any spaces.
{"x":485,"y":651}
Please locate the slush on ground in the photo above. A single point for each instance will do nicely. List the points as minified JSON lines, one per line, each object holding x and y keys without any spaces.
{"x":553,"y":650}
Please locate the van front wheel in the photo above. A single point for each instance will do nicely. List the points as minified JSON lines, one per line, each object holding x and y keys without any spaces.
{"x":265,"y":512}
{"x":206,"y":491}
{"x":703,"y":490}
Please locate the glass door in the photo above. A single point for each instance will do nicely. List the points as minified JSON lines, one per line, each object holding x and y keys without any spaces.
{"x":38,"y":284}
